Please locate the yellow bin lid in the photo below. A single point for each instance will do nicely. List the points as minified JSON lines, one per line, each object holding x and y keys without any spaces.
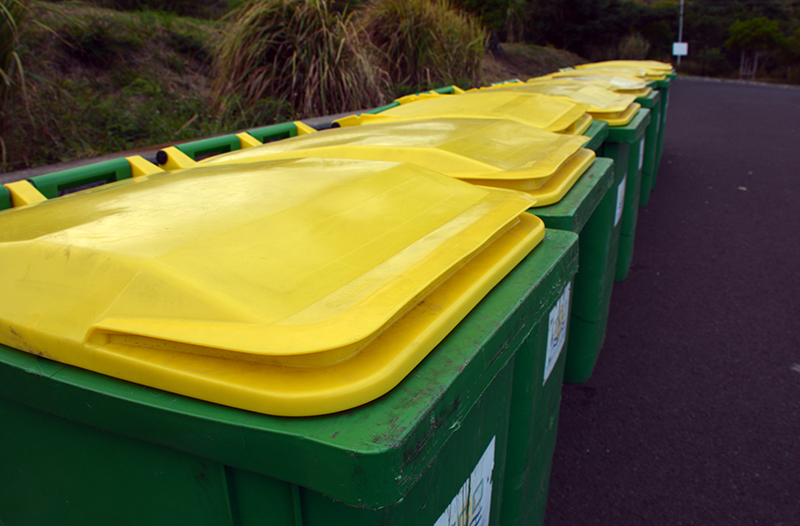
{"x":630,"y":70}
{"x":491,"y":152}
{"x":610,"y":80}
{"x":618,"y":109}
{"x":548,"y":113}
{"x":650,"y":65}
{"x":283,"y":287}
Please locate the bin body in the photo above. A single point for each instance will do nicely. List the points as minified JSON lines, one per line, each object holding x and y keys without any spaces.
{"x":625,"y":145}
{"x":597,"y":134}
{"x":662,"y":86}
{"x":85,"y":448}
{"x":651,"y":102}
{"x":5,"y":198}
{"x":589,"y":210}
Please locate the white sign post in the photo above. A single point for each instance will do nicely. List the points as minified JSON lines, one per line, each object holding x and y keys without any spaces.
{"x":680,"y":48}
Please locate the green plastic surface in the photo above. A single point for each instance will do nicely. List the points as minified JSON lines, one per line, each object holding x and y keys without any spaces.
{"x":198,"y":150}
{"x":82,"y":448}
{"x":664,"y":89}
{"x":653,"y":103}
{"x":444,"y":90}
{"x":5,"y":198}
{"x":533,"y":426}
{"x":275,"y":132}
{"x":54,"y":184}
{"x":624,"y":145}
{"x":597,"y":134}
{"x":389,"y":106}
{"x":589,"y":211}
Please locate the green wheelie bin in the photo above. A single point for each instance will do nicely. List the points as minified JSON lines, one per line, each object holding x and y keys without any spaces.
{"x":663,"y":87}
{"x":138,"y":386}
{"x":652,"y":142}
{"x":625,"y":145}
{"x":577,"y":194}
{"x":659,"y":75}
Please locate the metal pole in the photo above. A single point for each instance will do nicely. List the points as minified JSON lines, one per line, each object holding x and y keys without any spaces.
{"x":680,"y":30}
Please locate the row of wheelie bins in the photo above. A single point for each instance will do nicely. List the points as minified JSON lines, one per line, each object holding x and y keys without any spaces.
{"x":366,"y":323}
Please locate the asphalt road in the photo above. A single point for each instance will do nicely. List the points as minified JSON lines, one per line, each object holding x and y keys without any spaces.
{"x":693,"y":413}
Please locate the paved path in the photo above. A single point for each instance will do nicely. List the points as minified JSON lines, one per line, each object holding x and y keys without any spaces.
{"x":693,"y":413}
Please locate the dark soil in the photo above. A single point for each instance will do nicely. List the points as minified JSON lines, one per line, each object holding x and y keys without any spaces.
{"x":693,"y":413}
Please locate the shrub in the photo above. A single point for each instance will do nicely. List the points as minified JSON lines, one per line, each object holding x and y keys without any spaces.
{"x":300,"y":51}
{"x":13,"y":19}
{"x":99,"y":40}
{"x":425,"y":42}
{"x":208,"y":9}
{"x":634,"y":47}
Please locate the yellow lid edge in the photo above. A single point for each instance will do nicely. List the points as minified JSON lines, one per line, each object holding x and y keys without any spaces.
{"x":311,"y":391}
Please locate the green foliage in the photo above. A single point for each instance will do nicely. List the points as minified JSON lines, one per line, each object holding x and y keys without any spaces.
{"x":425,"y":43}
{"x":505,"y":17}
{"x":207,"y":9}
{"x":84,"y":118}
{"x":590,"y":28}
{"x":14,"y":17}
{"x":80,"y":105}
{"x":634,"y":47}
{"x":300,"y":51}
{"x":757,"y":34}
{"x":100,"y":40}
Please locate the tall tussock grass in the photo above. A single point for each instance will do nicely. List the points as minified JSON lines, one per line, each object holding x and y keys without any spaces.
{"x":14,"y":15}
{"x":301,"y":51}
{"x":425,"y":42}
{"x":634,"y":47}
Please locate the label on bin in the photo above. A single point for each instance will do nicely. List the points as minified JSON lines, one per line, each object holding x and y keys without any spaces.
{"x":620,"y":200}
{"x":557,"y":332}
{"x":471,"y":505}
{"x":641,"y":153}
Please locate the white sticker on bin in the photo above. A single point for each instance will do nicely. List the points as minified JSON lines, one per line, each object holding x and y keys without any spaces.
{"x":557,"y":332}
{"x":620,"y":200}
{"x":472,"y":503}
{"x":641,"y":153}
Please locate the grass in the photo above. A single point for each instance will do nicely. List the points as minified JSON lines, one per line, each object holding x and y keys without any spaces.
{"x":101,"y":81}
{"x":14,"y":18}
{"x":524,"y":61}
{"x":300,"y":51}
{"x":425,"y":43}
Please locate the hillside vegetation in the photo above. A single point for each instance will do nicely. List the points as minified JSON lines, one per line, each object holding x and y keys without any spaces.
{"x":99,"y":80}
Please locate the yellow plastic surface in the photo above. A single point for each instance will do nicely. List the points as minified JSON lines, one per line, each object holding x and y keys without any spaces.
{"x":549,"y":113}
{"x":630,"y":70}
{"x":612,"y":81}
{"x":247,"y":141}
{"x":490,"y":152}
{"x":303,"y":128}
{"x":24,"y":193}
{"x":428,"y":95}
{"x":284,"y":287}
{"x":650,"y":65}
{"x":556,"y":186}
{"x":141,"y":166}
{"x":176,"y":159}
{"x":618,"y":109}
